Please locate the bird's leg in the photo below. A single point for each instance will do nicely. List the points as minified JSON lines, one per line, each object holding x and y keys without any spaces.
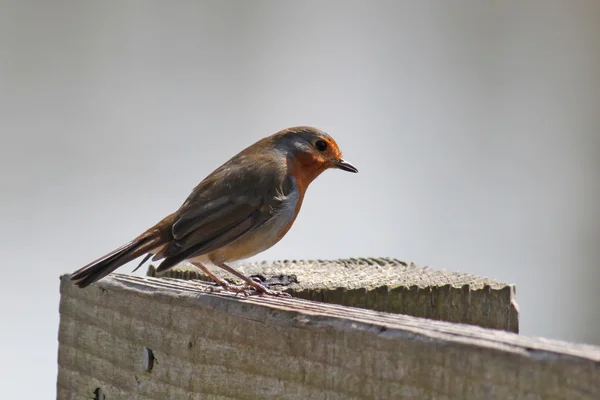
{"x":260,"y":289}
{"x":226,"y":285}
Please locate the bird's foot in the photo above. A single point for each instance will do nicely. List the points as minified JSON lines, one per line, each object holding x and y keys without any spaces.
{"x":237,"y":289}
{"x":274,"y":293}
{"x":254,"y":289}
{"x":256,"y":283}
{"x":262,"y":290}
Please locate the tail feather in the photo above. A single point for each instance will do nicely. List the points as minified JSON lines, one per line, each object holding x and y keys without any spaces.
{"x":106,"y":264}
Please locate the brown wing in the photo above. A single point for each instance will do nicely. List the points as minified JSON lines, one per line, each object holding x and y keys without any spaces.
{"x":225,"y":206}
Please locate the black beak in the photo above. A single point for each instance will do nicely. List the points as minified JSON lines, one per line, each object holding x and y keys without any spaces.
{"x":345,"y":165}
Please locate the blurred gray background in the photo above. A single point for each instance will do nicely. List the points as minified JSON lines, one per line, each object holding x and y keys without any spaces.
{"x":475,"y":126}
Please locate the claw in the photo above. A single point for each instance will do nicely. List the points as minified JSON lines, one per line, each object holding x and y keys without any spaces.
{"x":247,"y":290}
{"x":229,"y":288}
{"x":261,"y":290}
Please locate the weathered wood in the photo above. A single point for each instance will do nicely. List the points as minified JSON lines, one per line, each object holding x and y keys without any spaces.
{"x":384,"y":284}
{"x":217,"y":346}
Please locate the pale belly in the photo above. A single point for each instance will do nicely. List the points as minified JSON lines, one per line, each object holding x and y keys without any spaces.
{"x":259,"y":239}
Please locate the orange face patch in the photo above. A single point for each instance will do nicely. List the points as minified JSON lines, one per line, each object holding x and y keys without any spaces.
{"x":305,"y":167}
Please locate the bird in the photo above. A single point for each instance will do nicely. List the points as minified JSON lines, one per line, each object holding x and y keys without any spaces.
{"x":239,"y":210}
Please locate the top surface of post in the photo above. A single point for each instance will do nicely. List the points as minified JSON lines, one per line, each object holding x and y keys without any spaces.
{"x":353,"y":273}
{"x":383,"y":284}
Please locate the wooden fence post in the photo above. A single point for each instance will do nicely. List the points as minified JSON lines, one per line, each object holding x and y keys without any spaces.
{"x":129,"y":337}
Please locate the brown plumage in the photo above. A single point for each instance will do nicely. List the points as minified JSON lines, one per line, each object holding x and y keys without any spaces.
{"x":242,"y":208}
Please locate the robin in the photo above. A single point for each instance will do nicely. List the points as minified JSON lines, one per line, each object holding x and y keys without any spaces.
{"x":241,"y":209}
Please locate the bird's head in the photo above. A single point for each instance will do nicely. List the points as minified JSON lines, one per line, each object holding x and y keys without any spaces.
{"x":310,"y":151}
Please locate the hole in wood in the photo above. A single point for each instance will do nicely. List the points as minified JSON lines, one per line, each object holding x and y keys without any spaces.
{"x":99,"y":394}
{"x":148,"y":360}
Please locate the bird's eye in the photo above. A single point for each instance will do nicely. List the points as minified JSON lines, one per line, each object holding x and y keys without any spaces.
{"x":321,"y":145}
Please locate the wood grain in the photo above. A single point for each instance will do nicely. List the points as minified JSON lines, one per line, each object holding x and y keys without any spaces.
{"x":217,"y":346}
